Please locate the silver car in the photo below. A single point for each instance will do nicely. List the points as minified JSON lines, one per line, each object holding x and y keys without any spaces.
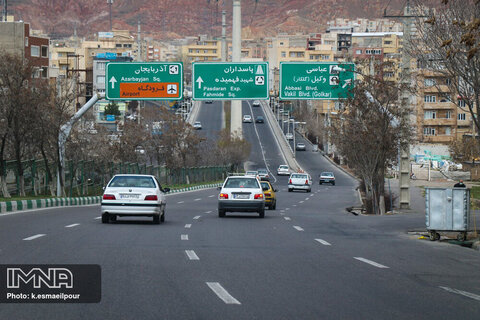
{"x":133,"y":195}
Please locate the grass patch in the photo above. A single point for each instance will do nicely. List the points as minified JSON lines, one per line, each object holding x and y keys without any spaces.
{"x":475,"y":192}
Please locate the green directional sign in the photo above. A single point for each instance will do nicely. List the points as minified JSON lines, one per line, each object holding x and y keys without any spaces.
{"x":230,"y":80}
{"x":316,"y":80}
{"x":144,"y":81}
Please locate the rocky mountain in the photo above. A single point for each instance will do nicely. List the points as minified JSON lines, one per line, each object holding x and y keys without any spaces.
{"x":163,"y":19}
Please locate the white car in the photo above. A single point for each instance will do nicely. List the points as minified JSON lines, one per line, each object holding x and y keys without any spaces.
{"x":256,"y":103}
{"x":247,"y":118}
{"x":197,"y":125}
{"x":241,"y":194}
{"x":300,"y":181}
{"x":283,"y":169}
{"x":289,"y":136}
{"x":133,"y":195}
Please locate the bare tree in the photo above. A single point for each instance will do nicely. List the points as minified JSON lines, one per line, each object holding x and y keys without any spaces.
{"x":232,"y":150}
{"x":448,"y":43}
{"x":369,"y":134}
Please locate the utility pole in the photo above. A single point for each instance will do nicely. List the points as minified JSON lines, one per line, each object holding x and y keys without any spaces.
{"x":110,"y":2}
{"x":4,"y":10}
{"x":407,"y":99}
{"x":224,"y":35}
{"x":139,"y":58}
{"x":236,"y":109}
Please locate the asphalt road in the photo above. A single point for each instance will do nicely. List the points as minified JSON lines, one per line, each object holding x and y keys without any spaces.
{"x":211,"y":117}
{"x":308,"y":259}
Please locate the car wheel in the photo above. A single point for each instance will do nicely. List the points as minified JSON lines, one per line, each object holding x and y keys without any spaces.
{"x":105,"y":217}
{"x":289,"y":190}
{"x":309,"y":190}
{"x":261,"y":213}
{"x":162,"y":217}
{"x":320,"y":182}
{"x":156,"y":219}
{"x":113,"y":217}
{"x":274,"y":207}
{"x":221,"y":213}
{"x":333,"y":183}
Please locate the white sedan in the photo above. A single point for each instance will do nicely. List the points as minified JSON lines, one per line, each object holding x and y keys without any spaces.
{"x":134,"y":195}
{"x":241,"y":194}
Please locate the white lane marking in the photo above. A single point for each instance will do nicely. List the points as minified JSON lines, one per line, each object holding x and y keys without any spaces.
{"x":222,"y":293}
{"x":184,"y":237}
{"x":72,"y":225}
{"x":307,"y":199}
{"x":35,"y":237}
{"x":373,"y":263}
{"x":282,"y":213}
{"x":208,"y":212}
{"x":192,"y":255}
{"x":198,"y":199}
{"x":213,"y":195}
{"x":180,"y":201}
{"x":287,"y":209}
{"x":196,"y":217}
{"x":463,"y":293}
{"x":96,"y":218}
{"x":325,"y":243}
{"x":298,"y":228}
{"x":294,"y":205}
{"x":287,"y":218}
{"x":301,"y":201}
{"x":188,"y":225}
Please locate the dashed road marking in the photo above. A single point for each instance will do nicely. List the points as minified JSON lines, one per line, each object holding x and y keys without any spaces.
{"x":287,"y":218}
{"x":198,"y":199}
{"x":463,"y":293}
{"x":294,"y":205}
{"x":301,"y":201}
{"x":35,"y":237}
{"x":184,"y":237}
{"x":222,"y":293}
{"x":211,"y":196}
{"x":72,"y":225}
{"x":298,"y":228}
{"x":96,"y":218}
{"x":192,"y":255}
{"x":208,"y":212}
{"x":287,"y":209}
{"x":188,"y":225}
{"x":370,"y":262}
{"x":196,"y":217}
{"x":180,"y":201}
{"x":325,"y":243}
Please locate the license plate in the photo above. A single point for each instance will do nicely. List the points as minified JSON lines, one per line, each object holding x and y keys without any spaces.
{"x":129,"y":196}
{"x":242,"y":196}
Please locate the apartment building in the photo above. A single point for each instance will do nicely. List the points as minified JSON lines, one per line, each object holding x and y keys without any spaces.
{"x":203,"y":49}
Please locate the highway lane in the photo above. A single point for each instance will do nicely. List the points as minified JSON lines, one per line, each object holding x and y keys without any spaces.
{"x":211,"y":117}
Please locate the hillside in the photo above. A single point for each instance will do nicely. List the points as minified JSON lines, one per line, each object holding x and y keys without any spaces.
{"x":178,"y":18}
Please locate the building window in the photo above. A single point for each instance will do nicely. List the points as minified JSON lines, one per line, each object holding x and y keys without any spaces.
{"x":205,"y":51}
{"x":283,"y":54}
{"x":325,"y":57}
{"x":101,"y":65}
{"x":44,"y":72}
{"x":377,"y":52}
{"x":430,"y":99}
{"x":448,"y":131}
{"x":190,"y":50}
{"x":388,"y":42}
{"x":448,"y":81}
{"x":127,"y":45}
{"x":198,"y":51}
{"x":26,"y":41}
{"x":100,"y":79}
{"x":430,"y":115}
{"x":448,"y":115}
{"x":359,"y":51}
{"x":389,"y":74}
{"x":281,"y":43}
{"x":118,"y":45}
{"x":462,"y":116}
{"x":44,"y":51}
{"x":429,"y":82}
{"x":428,"y":131}
{"x":461,"y":103}
{"x":214,"y":50}
{"x":368,"y":51}
{"x":35,"y":51}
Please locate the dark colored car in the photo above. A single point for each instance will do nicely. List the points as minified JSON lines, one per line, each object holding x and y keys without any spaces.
{"x":259,"y":119}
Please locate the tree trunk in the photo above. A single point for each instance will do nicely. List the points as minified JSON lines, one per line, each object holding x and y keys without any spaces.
{"x":3,"y":187}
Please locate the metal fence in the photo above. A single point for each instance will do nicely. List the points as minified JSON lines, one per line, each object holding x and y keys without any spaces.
{"x":84,"y":178}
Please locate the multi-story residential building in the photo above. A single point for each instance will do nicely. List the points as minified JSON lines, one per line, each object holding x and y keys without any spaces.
{"x":203,"y":49}
{"x":440,"y":118}
{"x":16,"y":37}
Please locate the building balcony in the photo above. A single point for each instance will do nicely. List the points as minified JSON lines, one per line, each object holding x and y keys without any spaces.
{"x":439,"y":105}
{"x":439,"y":122}
{"x":436,"y":89}
{"x":438,"y":138}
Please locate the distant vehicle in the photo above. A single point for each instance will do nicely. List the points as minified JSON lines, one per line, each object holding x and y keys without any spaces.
{"x":197,"y":125}
{"x":289,"y":136}
{"x":139,"y":150}
{"x":251,"y":173}
{"x":263,"y":174}
{"x":300,"y":181}
{"x":247,"y":118}
{"x":209,"y":101}
{"x":283,"y":169}
{"x":259,"y":119}
{"x":256,"y":103}
{"x":327,"y":177}
{"x":133,"y":195}
{"x":241,"y":194}
{"x":270,"y":196}
{"x":300,"y":146}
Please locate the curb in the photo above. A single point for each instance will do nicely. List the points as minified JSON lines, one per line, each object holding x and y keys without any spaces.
{"x":22,"y":205}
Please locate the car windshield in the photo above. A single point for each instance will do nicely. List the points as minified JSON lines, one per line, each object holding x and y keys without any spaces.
{"x":132,"y":182}
{"x":242,"y":183}
{"x":299,"y":176}
{"x":251,"y":173}
{"x":283,"y":167}
{"x":197,"y":122}
{"x":262,"y":171}
{"x":327,"y":174}
{"x":265,"y":185}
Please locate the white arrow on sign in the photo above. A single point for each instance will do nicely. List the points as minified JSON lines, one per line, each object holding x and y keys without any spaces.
{"x":200,"y":81}
{"x":113,"y":81}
